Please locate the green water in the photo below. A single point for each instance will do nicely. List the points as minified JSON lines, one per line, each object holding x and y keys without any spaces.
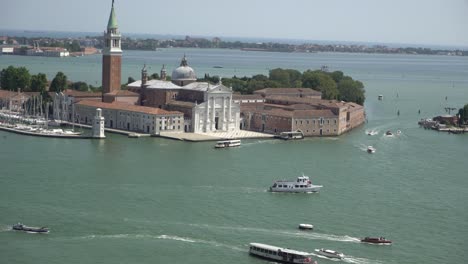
{"x":152,"y":200}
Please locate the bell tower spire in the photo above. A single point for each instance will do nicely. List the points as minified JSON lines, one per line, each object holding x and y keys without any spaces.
{"x":111,"y":55}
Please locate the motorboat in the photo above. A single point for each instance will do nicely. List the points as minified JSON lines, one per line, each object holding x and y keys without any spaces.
{"x":284,"y":255}
{"x":21,"y":227}
{"x":301,"y":185}
{"x":370,"y":149}
{"x":228,"y":143}
{"x":306,"y":226}
{"x":329,"y":253}
{"x":372,"y":133}
{"x":290,"y":135}
{"x":376,"y":240}
{"x":389,"y":133}
{"x":398,"y":132}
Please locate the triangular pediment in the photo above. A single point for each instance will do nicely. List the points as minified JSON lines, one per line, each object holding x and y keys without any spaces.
{"x":219,"y":88}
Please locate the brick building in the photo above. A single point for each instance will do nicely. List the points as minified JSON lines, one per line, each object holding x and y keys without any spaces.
{"x":130,"y":117}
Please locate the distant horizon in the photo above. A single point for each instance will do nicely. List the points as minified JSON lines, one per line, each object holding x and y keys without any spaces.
{"x":73,"y":34}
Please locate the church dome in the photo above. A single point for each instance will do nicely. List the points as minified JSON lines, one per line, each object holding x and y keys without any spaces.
{"x":184,"y":72}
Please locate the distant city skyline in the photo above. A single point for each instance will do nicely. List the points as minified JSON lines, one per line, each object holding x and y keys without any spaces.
{"x":431,"y":22}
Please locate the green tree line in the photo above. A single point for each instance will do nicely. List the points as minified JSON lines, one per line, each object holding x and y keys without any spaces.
{"x":333,"y":85}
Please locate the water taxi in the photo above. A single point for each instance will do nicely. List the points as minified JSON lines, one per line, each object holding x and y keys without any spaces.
{"x":376,"y":240}
{"x":30,"y":229}
{"x":329,"y":253}
{"x":228,"y":143}
{"x":306,"y":226}
{"x":371,"y":149}
{"x":301,"y":185}
{"x":284,"y":255}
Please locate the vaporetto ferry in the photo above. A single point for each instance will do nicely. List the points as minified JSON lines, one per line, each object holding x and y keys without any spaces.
{"x":284,"y":255}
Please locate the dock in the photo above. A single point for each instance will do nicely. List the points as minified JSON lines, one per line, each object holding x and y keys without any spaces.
{"x":215,"y":136}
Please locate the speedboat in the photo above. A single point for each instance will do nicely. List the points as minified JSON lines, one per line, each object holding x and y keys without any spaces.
{"x":398,"y":132}
{"x":306,"y":226}
{"x":372,"y":133}
{"x":21,"y":227}
{"x":371,"y":149}
{"x":389,"y":133}
{"x":301,"y":185}
{"x":329,"y":253}
{"x":376,"y":240}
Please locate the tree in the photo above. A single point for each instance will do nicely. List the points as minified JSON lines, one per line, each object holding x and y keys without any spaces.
{"x":463,"y":115}
{"x":80,"y":86}
{"x":59,"y":83}
{"x":154,"y":76}
{"x":351,"y":91}
{"x":281,"y":76}
{"x":38,"y":82}
{"x":337,"y":76}
{"x":13,"y":78}
{"x":130,"y":80}
{"x":322,"y":82}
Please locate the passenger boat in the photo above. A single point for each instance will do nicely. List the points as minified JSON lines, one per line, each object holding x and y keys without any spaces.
{"x":371,"y":149}
{"x":284,"y":255}
{"x":376,"y":240}
{"x":228,"y":143}
{"x":291,"y":135}
{"x":306,"y":227}
{"x":21,"y":227}
{"x":329,"y":253}
{"x":301,"y":185}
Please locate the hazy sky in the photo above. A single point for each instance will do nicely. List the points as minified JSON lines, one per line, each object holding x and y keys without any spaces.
{"x":439,"y":22}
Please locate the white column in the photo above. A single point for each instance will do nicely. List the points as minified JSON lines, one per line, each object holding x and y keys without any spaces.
{"x":207,"y":111}
{"x":213,"y":112}
{"x":223,"y":120}
{"x":229,"y":111}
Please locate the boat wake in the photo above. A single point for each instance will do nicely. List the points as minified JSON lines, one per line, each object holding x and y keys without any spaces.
{"x":355,"y":260}
{"x":349,"y":259}
{"x":306,"y":235}
{"x":5,"y":228}
{"x":163,"y":237}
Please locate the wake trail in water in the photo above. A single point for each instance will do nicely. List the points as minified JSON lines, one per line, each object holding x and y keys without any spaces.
{"x":5,"y":228}
{"x":307,"y":235}
{"x":349,"y":259}
{"x":162,"y":237}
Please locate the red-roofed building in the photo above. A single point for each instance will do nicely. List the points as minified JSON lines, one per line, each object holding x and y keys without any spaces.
{"x":129,"y":117}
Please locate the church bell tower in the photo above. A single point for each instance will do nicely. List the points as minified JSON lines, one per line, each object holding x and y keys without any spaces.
{"x":111,"y":56}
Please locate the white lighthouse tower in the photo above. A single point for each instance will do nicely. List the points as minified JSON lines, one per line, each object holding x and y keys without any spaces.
{"x":98,"y":125}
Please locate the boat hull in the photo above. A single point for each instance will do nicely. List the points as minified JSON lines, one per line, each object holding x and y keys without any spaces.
{"x":31,"y":229}
{"x":329,"y":255}
{"x":376,"y":241}
{"x":296,"y":190}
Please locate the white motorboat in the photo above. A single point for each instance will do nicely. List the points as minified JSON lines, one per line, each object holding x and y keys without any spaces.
{"x":301,"y":185}
{"x":329,"y":253}
{"x":371,"y":149}
{"x":228,"y":143}
{"x":372,"y":133}
{"x":284,"y":255}
{"x":306,"y":226}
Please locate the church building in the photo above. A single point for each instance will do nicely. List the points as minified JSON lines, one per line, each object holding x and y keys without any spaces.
{"x":206,"y":107}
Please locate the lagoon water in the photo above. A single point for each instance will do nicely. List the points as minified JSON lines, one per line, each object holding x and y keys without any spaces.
{"x":152,"y":200}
